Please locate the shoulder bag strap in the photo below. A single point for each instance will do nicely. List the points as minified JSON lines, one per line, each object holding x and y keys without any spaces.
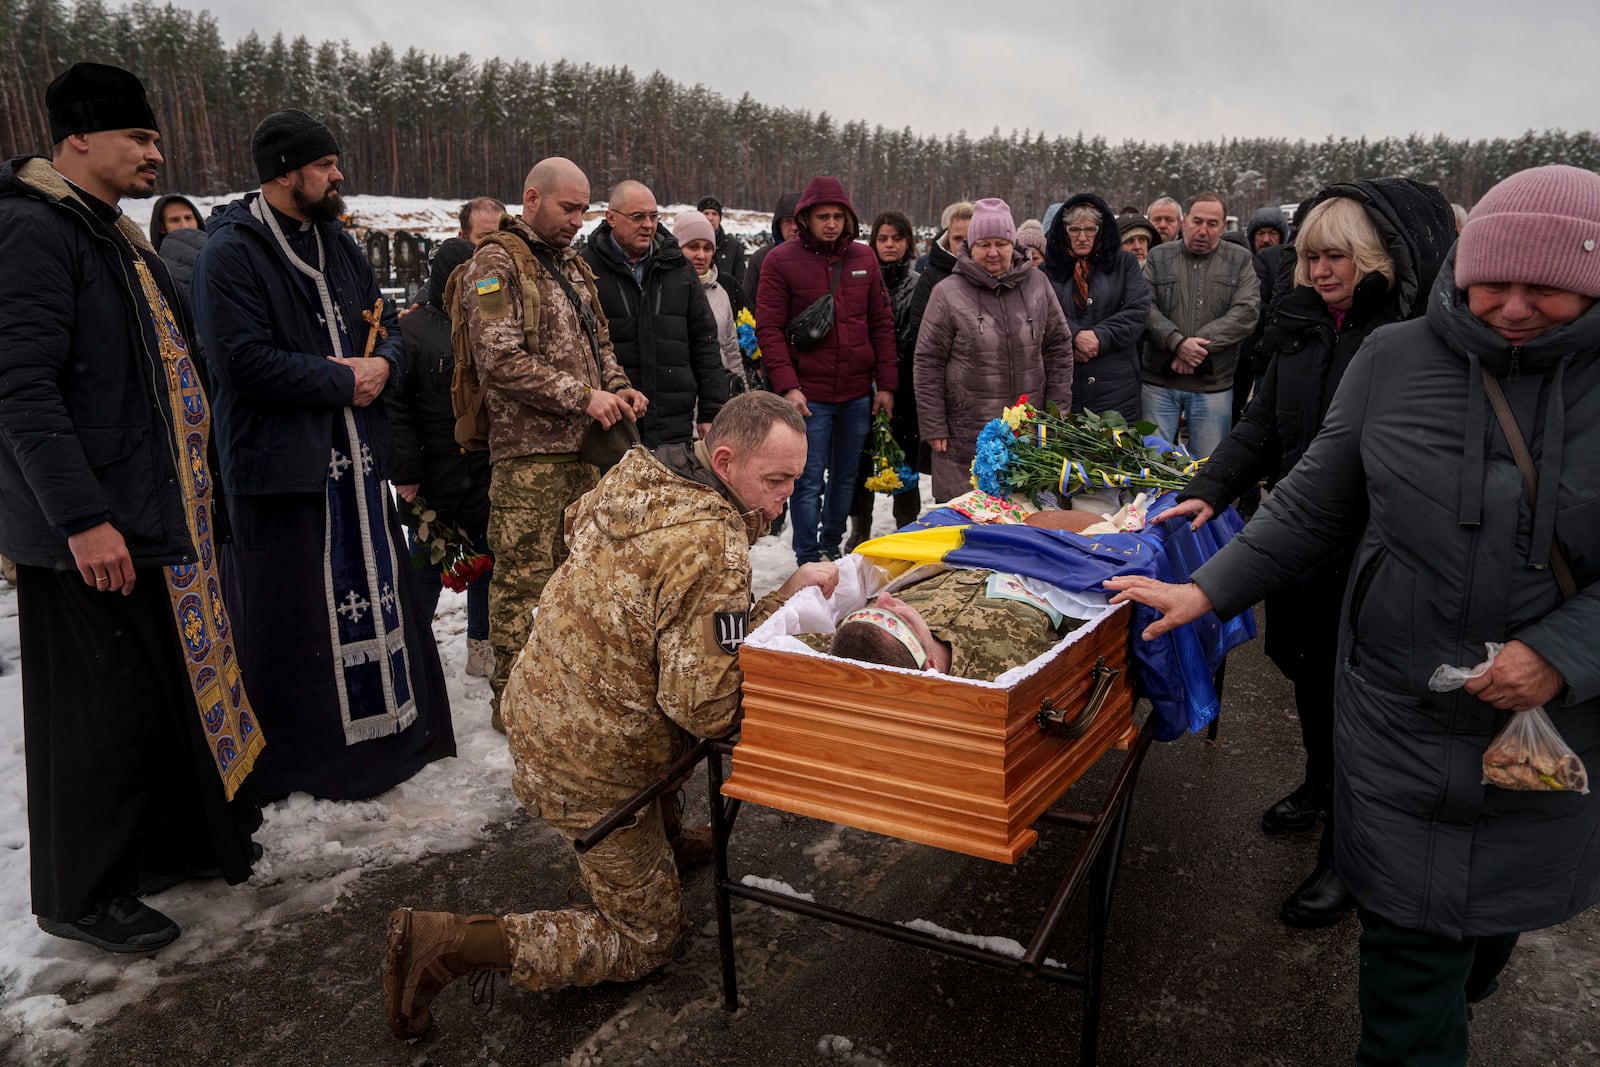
{"x":586,"y":314}
{"x":1530,"y":476}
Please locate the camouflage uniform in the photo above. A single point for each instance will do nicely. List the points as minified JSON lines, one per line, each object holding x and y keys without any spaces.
{"x":536,"y":399}
{"x":989,"y":628}
{"x":624,"y":668}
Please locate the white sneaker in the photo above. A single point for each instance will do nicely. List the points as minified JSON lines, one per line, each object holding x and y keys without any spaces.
{"x":480,"y":658}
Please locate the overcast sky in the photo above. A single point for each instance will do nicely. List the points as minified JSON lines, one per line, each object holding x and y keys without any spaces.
{"x":1155,"y":70}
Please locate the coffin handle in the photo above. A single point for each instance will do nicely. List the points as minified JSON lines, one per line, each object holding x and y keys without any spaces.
{"x":1054,"y":720}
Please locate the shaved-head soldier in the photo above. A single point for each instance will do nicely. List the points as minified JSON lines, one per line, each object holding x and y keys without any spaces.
{"x":547,"y":380}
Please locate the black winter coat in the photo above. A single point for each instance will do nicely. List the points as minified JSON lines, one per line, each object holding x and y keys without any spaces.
{"x":730,"y":260}
{"x":664,"y":335}
{"x":453,"y":481}
{"x":276,"y":392}
{"x":1117,"y":309}
{"x":1413,"y":468}
{"x":1307,"y":359}
{"x":900,"y":280}
{"x":83,"y":395}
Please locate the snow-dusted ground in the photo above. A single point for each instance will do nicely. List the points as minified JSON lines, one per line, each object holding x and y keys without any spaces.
{"x":51,"y":990}
{"x":438,"y":219}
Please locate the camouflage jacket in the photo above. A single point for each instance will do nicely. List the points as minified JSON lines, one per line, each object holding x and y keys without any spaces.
{"x":989,"y":625}
{"x":536,"y":396}
{"x":634,"y":649}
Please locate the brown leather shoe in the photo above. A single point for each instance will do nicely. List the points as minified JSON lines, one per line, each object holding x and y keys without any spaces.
{"x":427,"y":951}
{"x":692,"y":847}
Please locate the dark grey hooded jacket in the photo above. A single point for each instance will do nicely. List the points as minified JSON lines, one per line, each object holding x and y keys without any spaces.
{"x":1450,"y":557}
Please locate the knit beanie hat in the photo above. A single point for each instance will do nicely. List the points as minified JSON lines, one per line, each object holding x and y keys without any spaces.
{"x":1540,"y":227}
{"x":709,"y":203}
{"x":692,"y":226}
{"x":1130,"y":224}
{"x":991,"y":217}
{"x":1031,"y":235}
{"x":90,"y":97}
{"x":288,"y":140}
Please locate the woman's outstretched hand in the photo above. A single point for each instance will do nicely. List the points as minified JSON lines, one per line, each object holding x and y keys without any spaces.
{"x":1178,"y":604}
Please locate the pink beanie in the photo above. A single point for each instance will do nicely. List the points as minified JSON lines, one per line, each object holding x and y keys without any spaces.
{"x":692,"y":226}
{"x":991,"y":217}
{"x":1031,"y":235}
{"x":1539,"y":227}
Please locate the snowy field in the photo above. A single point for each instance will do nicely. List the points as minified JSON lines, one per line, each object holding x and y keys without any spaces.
{"x":438,"y":219}
{"x":52,"y":990}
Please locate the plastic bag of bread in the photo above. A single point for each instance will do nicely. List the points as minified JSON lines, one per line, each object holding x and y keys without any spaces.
{"x":1528,"y":754}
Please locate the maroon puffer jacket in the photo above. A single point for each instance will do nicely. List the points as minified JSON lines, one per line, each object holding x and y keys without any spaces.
{"x":860,"y":349}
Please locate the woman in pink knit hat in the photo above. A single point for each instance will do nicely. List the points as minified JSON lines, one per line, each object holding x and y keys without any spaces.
{"x":1455,"y":548}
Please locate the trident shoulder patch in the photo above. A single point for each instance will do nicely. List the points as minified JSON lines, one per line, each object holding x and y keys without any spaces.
{"x":728,"y":630}
{"x":485,"y":286}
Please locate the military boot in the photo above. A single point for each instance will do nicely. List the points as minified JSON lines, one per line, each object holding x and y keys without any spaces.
{"x":427,"y":950}
{"x":691,"y":845}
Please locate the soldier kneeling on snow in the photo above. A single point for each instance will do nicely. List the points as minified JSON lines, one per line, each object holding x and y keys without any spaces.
{"x":633,"y":655}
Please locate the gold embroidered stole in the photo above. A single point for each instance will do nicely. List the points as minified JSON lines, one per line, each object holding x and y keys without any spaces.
{"x":204,"y":630}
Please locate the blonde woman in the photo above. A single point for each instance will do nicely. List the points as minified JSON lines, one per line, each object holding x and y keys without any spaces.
{"x":1366,"y":254}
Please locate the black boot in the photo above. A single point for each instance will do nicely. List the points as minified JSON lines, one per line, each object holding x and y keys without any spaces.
{"x":1298,"y":811}
{"x":860,"y":531}
{"x":1320,"y":900}
{"x":122,"y":924}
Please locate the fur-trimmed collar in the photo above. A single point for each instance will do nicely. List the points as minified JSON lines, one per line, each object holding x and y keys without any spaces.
{"x":39,"y":174}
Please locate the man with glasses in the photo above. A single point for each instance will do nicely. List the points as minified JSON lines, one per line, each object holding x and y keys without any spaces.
{"x":662,"y":328}
{"x":1206,"y":301}
{"x":547,"y":381}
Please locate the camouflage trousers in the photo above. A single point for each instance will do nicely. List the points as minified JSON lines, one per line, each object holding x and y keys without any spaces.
{"x":527,"y":499}
{"x":634,"y":923}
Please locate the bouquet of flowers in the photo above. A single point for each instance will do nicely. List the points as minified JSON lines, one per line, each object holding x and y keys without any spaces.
{"x":891,"y":474}
{"x":443,"y":545}
{"x":744,"y":327}
{"x":1032,"y":451}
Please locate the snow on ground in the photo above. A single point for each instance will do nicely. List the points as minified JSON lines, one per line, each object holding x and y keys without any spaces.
{"x":315,"y":849}
{"x":438,"y":218}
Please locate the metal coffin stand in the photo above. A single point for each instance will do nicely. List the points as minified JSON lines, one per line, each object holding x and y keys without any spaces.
{"x":1092,"y":866}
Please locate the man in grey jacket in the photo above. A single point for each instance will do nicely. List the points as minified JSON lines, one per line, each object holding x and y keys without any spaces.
{"x":1206,"y":302}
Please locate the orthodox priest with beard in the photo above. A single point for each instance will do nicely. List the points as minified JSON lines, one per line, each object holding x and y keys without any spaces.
{"x":341,"y":665}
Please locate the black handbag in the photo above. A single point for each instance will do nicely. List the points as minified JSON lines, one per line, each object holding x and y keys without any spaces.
{"x":808,"y":329}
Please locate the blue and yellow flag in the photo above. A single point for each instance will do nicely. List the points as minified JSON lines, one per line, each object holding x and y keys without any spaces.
{"x":1174,"y":671}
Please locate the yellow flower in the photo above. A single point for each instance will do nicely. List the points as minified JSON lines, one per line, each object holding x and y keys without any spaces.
{"x":885,"y":481}
{"x":1014,"y":417}
{"x":745,"y":318}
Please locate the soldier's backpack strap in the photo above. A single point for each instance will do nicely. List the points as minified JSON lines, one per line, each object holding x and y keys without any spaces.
{"x":588,"y":314}
{"x":466,"y":388}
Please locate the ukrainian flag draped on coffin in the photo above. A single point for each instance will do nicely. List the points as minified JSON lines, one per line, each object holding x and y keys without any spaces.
{"x":1175,"y":670}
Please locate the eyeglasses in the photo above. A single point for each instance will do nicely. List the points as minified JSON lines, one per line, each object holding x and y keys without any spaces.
{"x":637,"y":217}
{"x":1083,"y":231}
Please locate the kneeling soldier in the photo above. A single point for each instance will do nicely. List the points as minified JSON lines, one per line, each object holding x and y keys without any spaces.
{"x":633,"y":655}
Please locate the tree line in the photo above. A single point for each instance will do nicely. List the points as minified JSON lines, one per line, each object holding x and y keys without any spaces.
{"x":415,"y":124}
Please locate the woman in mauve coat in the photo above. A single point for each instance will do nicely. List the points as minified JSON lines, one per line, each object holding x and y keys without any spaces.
{"x":993,"y":331}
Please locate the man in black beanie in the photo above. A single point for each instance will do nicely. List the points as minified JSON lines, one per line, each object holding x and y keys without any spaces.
{"x":139,"y":733}
{"x":730,"y":250}
{"x":305,"y":356}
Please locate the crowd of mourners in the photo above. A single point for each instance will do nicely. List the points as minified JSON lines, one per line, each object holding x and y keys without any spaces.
{"x":223,"y":448}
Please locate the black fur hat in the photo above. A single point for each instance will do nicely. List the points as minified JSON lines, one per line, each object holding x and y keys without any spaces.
{"x":90,"y":97}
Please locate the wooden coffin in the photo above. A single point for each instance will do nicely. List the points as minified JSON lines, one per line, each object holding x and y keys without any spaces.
{"x":926,"y":757}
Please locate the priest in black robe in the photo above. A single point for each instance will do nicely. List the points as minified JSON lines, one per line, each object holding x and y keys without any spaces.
{"x":303,"y":350}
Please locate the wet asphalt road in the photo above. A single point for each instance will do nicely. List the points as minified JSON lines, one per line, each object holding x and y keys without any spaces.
{"x":1198,"y":969}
